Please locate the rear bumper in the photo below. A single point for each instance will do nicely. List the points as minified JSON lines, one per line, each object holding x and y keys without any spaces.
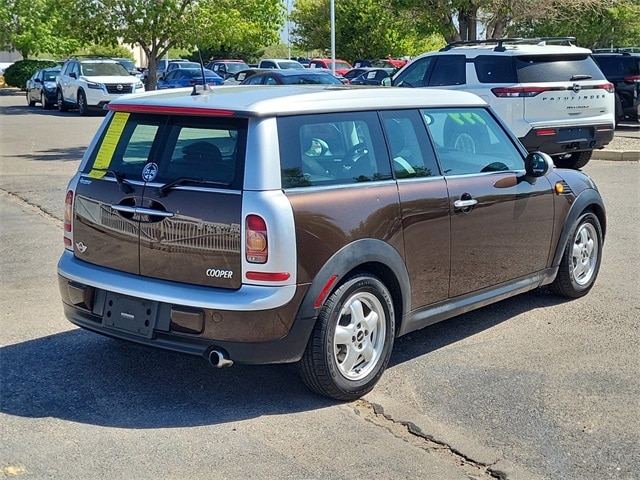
{"x":563,"y":140}
{"x":253,"y":324}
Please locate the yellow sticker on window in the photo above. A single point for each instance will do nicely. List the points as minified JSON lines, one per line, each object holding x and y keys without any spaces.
{"x":109,"y":144}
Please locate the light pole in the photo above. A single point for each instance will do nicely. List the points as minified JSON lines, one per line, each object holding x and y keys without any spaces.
{"x":333,"y":36}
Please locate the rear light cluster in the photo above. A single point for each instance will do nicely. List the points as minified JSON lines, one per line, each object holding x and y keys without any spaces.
{"x":516,"y":92}
{"x":632,"y":79}
{"x":68,"y":220}
{"x":257,"y":250}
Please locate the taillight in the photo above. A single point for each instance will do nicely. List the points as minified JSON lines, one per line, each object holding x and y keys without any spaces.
{"x":68,"y":219}
{"x":514,"y":92}
{"x":609,"y":87}
{"x":632,"y":79}
{"x":257,"y":245}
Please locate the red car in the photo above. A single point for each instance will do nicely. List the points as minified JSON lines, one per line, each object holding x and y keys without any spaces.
{"x":341,"y":66}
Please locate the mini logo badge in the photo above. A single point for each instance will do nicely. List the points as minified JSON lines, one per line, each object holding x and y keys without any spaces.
{"x":149,"y":172}
{"x":81,"y":247}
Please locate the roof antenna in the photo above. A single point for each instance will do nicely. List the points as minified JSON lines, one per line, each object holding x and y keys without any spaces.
{"x":205,"y":85}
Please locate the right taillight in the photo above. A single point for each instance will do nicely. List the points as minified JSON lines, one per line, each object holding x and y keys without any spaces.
{"x":256,"y":239}
{"x":632,"y":79}
{"x":68,"y":218}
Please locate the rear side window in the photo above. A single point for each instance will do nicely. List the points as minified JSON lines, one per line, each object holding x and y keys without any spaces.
{"x":556,"y":68}
{"x":332,"y":149}
{"x":203,"y":151}
{"x":495,"y":69}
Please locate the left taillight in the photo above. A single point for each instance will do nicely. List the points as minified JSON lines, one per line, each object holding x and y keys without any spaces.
{"x":68,"y":221}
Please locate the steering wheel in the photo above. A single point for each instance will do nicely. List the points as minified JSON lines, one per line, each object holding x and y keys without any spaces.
{"x":355,"y":153}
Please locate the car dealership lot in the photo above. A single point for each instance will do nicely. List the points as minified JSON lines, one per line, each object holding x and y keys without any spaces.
{"x":534,"y":386}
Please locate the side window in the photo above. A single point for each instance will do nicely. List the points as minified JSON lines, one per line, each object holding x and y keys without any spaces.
{"x":332,"y":149}
{"x":471,"y":141}
{"x":495,"y":69}
{"x":409,"y":145}
{"x":255,"y":80}
{"x":416,"y":74}
{"x":449,"y":70}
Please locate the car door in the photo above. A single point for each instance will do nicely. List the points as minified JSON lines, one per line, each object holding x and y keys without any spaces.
{"x":500,"y":228}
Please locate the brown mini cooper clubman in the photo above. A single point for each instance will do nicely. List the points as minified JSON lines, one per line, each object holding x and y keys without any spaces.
{"x":313,"y":224}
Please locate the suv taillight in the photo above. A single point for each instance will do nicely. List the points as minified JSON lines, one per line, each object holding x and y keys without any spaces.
{"x":632,"y":79}
{"x":513,"y":92}
{"x":68,"y":219}
{"x":257,"y":245}
{"x":609,"y":87}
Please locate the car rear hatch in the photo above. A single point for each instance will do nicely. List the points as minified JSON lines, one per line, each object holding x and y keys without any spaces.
{"x":563,"y":89}
{"x":160,"y":197}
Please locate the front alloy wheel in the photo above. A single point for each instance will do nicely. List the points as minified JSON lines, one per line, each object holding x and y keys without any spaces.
{"x":83,"y":108}
{"x":352,"y":341}
{"x":581,"y":258}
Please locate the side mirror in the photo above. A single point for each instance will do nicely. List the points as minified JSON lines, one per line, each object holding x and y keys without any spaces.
{"x":538,"y":164}
{"x":37,"y":80}
{"x":73,"y":75}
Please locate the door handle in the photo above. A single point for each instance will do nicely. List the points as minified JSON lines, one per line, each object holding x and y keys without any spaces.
{"x":142,"y":211}
{"x":465,"y":203}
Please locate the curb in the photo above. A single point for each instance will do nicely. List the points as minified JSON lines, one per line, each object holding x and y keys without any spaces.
{"x":616,"y":155}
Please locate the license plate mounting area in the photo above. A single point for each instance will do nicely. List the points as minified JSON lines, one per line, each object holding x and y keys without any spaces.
{"x":129,"y":314}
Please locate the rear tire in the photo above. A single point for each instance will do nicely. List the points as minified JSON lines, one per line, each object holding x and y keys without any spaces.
{"x":574,"y":160}
{"x":62,"y":106}
{"x":351,"y":343}
{"x":581,"y":259}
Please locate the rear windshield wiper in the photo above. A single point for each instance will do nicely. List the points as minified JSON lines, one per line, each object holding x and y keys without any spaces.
{"x":580,"y":77}
{"x":162,"y":191}
{"x":120,"y":179}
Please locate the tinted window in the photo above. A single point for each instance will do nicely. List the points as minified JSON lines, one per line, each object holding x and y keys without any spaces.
{"x":330,"y":149}
{"x":448,"y":70}
{"x":416,"y":74}
{"x":495,"y":69}
{"x":555,"y":68}
{"x":618,"y":66}
{"x":204,"y":149}
{"x":409,"y":145}
{"x":470,"y":141}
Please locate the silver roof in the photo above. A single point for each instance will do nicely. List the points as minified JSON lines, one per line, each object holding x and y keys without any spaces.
{"x":291,"y":99}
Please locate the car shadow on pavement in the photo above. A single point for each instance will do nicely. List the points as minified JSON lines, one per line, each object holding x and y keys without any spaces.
{"x":450,"y":331}
{"x":87,"y":378}
{"x":84,"y":377}
{"x":67,"y":154}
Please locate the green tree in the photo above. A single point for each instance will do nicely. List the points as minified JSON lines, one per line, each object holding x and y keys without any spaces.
{"x":32,"y":27}
{"x":363,"y":29}
{"x":159,"y":25}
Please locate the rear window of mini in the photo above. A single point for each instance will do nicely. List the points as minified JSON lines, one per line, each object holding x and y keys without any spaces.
{"x":204,"y":150}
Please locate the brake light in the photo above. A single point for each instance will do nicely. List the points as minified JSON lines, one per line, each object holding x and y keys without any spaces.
{"x":609,"y":87}
{"x":257,"y":245}
{"x":515,"y":92}
{"x":632,"y":79}
{"x":68,"y":218}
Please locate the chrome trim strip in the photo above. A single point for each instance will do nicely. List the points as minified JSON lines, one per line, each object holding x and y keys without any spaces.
{"x":249,"y":298}
{"x":142,"y":211}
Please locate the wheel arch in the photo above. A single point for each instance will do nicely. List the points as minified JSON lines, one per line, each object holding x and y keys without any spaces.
{"x":588,"y":201}
{"x":371,"y":256}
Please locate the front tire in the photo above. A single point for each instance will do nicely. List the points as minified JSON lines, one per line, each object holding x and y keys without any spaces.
{"x":351,"y":343}
{"x":83,"y":108}
{"x":43,"y":101}
{"x":581,"y":259}
{"x":30,"y":102}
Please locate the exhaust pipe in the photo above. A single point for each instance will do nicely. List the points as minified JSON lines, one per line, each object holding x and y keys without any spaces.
{"x":219,"y":359}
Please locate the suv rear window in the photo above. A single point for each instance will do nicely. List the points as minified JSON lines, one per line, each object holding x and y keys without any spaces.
{"x":202,"y":150}
{"x":555,"y":68}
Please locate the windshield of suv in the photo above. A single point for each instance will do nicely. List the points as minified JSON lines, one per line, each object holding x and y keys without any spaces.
{"x":206,"y":150}
{"x":556,"y":68}
{"x":103,"y":69}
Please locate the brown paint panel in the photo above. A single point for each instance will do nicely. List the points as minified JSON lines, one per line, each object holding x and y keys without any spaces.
{"x":328,"y":219}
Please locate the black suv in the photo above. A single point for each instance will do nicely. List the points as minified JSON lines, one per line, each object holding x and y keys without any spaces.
{"x":623,"y":70}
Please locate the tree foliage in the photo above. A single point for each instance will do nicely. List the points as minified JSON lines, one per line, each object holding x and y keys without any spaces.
{"x":17,"y":74}
{"x":363,"y":29}
{"x":32,"y":27}
{"x":159,"y":25}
